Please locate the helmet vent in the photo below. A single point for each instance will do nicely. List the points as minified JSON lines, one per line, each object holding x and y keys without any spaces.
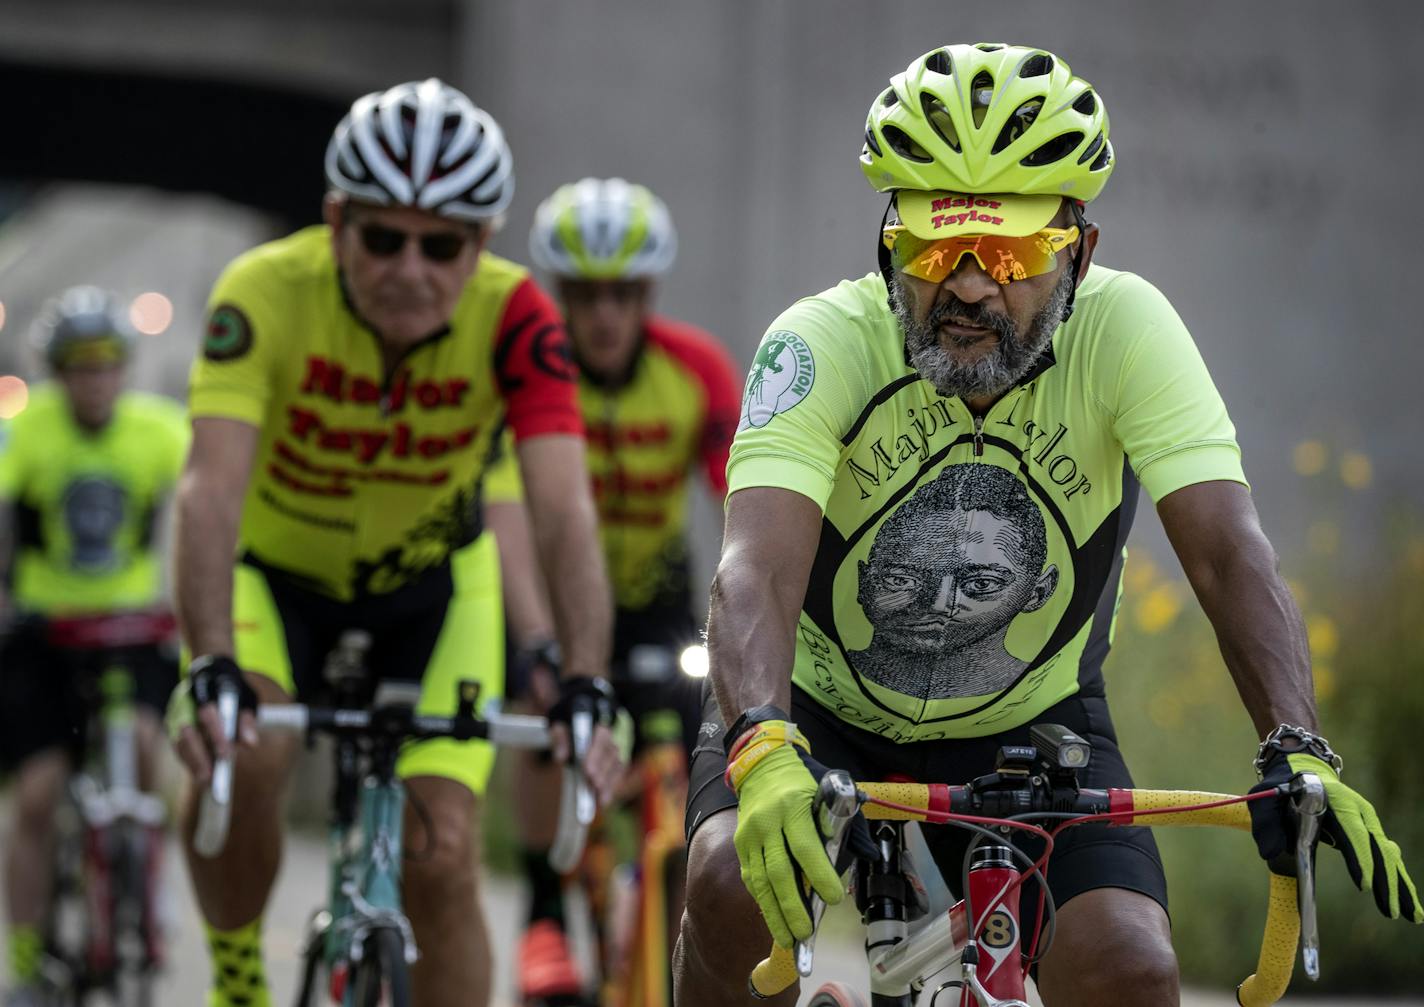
{"x":939,"y":62}
{"x":939,"y":119}
{"x":1086,"y":103}
{"x":889,"y":99}
{"x":981,"y":92}
{"x":988,"y":46}
{"x":872,"y":144}
{"x":1103,"y":159}
{"x":1093,"y":149}
{"x":1054,"y":150}
{"x":901,"y":143}
{"x":1018,"y":123}
{"x":1038,"y":65}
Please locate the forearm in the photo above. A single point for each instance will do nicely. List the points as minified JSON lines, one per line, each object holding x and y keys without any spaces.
{"x":572,"y":565}
{"x":526,"y":606}
{"x":205,"y":538}
{"x":1260,"y":632}
{"x":751,"y":636}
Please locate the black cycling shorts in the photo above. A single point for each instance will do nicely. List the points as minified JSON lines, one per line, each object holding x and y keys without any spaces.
{"x":47,"y":694}
{"x":1084,"y":857}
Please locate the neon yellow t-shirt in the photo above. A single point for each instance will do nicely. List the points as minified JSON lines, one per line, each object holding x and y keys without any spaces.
{"x":85,"y":503}
{"x":968,"y":573}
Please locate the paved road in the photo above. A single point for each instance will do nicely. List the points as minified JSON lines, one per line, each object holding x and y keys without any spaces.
{"x":300,"y":885}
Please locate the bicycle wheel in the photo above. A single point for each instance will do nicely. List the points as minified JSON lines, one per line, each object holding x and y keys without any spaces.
{"x":836,"y":995}
{"x":131,"y":984}
{"x":381,"y":979}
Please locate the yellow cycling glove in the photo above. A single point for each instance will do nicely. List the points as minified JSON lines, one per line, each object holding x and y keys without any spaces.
{"x":1349,"y":824}
{"x":775,"y":827}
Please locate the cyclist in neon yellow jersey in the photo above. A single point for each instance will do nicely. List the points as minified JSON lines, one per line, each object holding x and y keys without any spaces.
{"x":659,"y":403}
{"x":84,"y":475}
{"x":351,"y":381}
{"x":930,"y":491}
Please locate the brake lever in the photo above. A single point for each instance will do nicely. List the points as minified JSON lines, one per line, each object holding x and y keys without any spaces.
{"x":581,"y":726}
{"x":1308,"y":796}
{"x":837,"y":801}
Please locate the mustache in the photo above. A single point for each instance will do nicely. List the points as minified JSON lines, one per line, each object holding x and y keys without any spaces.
{"x":952,"y":310}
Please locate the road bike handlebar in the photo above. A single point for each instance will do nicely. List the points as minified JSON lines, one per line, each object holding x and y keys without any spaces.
{"x":397,"y":722}
{"x":1290,"y":916}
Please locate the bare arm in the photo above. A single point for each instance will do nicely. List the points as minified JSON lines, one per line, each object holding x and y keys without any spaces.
{"x":1234,"y":571}
{"x":207,"y":511}
{"x":566,"y":538}
{"x":525,"y":602}
{"x":767,"y":551}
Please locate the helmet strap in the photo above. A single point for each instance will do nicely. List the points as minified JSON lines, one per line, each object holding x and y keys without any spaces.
{"x":883,"y":254}
{"x":1082,"y":223}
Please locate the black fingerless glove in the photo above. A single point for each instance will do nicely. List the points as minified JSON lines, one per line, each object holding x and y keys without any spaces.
{"x":207,"y":675}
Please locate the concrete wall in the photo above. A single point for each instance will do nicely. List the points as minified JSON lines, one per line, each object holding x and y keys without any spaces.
{"x":1266,"y":153}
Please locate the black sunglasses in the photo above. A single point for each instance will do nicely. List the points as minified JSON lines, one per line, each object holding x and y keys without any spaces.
{"x":384,"y":242}
{"x":586,"y":293}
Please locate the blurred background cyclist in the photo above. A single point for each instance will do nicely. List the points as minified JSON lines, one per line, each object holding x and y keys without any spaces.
{"x":659,"y":399}
{"x":83,"y":477}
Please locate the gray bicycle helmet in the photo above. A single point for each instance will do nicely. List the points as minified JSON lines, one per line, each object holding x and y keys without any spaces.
{"x":83,"y":324}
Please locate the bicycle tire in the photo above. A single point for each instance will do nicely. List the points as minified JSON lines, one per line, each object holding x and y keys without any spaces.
{"x":307,"y":987}
{"x":381,"y":979}
{"x":836,"y":995}
{"x":131,"y":984}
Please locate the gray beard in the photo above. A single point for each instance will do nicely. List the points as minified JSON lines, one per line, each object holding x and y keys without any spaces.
{"x":990,"y":375}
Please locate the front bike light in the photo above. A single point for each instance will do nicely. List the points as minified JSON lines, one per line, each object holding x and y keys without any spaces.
{"x":693,"y":661}
{"x":1059,"y":746}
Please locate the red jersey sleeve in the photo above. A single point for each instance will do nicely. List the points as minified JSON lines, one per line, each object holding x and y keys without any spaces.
{"x":534,"y":367}
{"x":708,"y":360}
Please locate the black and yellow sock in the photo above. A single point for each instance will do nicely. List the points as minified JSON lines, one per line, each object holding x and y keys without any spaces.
{"x":239,"y":979}
{"x":26,"y":946}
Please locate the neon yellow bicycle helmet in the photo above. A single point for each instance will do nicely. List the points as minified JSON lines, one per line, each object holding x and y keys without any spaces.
{"x":603,"y":229}
{"x":989,"y":117}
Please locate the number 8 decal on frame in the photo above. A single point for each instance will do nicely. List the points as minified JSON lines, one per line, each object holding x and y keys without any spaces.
{"x":991,"y":872}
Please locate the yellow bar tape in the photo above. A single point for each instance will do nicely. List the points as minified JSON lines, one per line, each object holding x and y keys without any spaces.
{"x":774,"y":974}
{"x":1231,"y":816}
{"x":915,"y":795}
{"x":1277,"y":961}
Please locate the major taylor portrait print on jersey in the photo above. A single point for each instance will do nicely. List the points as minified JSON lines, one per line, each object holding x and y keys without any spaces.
{"x":947,"y":574}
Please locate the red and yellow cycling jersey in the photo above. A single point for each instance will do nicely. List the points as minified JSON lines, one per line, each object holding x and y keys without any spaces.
{"x":366,"y":478}
{"x":676,"y":410}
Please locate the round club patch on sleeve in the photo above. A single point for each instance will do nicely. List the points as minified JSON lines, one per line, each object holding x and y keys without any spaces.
{"x":782,"y":375}
{"x":229,"y":333}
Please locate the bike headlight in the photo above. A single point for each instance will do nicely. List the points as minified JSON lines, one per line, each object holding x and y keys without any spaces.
{"x":693,"y":661}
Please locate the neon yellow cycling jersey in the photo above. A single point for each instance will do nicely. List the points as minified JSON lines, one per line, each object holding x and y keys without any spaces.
{"x":85,"y":503}
{"x":365,"y":480}
{"x":676,"y":410}
{"x":968,"y":570}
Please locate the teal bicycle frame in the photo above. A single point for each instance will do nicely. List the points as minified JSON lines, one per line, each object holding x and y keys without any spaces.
{"x":365,"y":877}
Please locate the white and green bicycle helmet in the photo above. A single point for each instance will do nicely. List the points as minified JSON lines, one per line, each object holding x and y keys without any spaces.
{"x":989,"y":118}
{"x":603,"y":229}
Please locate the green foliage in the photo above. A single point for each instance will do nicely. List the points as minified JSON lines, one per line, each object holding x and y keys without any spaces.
{"x":1182,"y":725}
